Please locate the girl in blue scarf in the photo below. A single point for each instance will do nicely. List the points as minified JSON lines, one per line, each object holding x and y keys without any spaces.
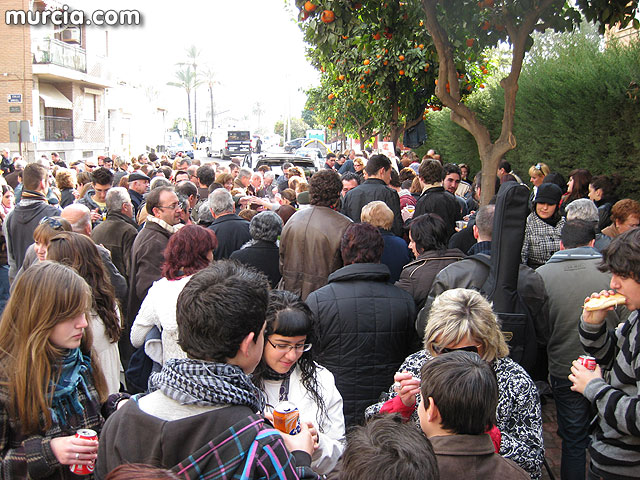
{"x":50,"y":386}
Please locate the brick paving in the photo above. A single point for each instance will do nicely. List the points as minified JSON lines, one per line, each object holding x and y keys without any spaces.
{"x":552,"y":442}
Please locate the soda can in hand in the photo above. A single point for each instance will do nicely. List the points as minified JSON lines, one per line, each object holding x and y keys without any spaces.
{"x":587,"y":361}
{"x":84,"y":469}
{"x":286,"y":418}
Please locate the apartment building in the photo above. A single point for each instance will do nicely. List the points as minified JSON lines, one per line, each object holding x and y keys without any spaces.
{"x":54,"y":77}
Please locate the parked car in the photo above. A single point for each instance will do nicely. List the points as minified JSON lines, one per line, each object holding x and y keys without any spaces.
{"x":276,"y":160}
{"x":181,"y":145}
{"x":293,"y":145}
{"x":313,"y":153}
{"x":238,"y":143}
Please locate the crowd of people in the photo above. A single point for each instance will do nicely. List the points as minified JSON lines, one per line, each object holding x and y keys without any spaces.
{"x":171,"y":306}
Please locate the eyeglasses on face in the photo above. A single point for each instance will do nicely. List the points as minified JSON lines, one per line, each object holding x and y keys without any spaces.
{"x":287,"y":347}
{"x":173,"y":206}
{"x":470,"y":348}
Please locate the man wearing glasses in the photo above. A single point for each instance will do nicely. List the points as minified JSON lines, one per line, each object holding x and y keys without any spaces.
{"x":163,"y":220}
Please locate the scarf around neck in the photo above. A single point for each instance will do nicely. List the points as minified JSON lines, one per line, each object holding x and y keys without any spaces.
{"x":73,"y":375}
{"x":169,"y":228}
{"x":198,"y":382}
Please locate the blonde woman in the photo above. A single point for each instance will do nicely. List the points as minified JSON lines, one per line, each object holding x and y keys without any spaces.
{"x":462,"y":319}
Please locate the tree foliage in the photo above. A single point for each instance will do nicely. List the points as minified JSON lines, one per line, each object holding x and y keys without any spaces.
{"x":576,"y":108}
{"x":453,"y":34}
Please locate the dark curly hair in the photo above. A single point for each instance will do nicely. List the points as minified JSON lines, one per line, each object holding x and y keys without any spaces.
{"x":186,"y":252}
{"x":324,"y":188}
{"x":361,"y":243}
{"x":289,"y":316}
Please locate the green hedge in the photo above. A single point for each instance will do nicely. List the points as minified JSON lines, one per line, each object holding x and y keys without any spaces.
{"x":573,"y":111}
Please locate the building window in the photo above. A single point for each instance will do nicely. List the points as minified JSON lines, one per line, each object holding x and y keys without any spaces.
{"x":90,"y":110}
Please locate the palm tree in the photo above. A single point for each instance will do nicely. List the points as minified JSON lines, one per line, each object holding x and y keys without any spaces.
{"x":258,"y":111}
{"x":192,"y":55}
{"x":187,"y":81}
{"x":209,"y":78}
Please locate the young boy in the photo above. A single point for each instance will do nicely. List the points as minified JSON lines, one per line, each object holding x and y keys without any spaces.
{"x":615,"y":446}
{"x":386,"y":447}
{"x":459,"y":398}
{"x":203,"y":418}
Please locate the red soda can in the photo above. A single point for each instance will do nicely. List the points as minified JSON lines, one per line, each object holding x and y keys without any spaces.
{"x":286,"y":418}
{"x":587,"y":361}
{"x":84,"y":469}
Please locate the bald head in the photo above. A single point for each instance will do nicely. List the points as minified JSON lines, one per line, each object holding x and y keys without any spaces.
{"x":79,"y":217}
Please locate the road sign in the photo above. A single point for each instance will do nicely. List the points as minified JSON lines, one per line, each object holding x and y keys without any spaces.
{"x":14,"y":98}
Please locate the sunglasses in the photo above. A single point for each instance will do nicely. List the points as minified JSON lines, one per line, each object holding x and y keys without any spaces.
{"x":52,"y":222}
{"x":470,"y":348}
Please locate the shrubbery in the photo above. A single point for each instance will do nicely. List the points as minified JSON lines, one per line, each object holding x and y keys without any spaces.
{"x":573,"y":111}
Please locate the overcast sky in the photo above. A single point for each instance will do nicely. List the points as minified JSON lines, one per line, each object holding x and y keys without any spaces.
{"x":254,"y":46}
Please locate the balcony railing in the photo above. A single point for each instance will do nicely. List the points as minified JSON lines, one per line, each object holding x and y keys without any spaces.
{"x":50,"y":50}
{"x":56,"y":129}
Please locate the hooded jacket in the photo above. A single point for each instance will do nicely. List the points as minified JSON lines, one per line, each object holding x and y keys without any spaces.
{"x":365,"y":327}
{"x":19,"y":226}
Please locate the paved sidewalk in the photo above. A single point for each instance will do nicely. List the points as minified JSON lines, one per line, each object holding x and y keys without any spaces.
{"x":552,"y":443}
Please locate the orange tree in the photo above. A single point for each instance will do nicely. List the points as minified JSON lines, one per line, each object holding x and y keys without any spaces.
{"x":378,"y":66}
{"x":453,"y":34}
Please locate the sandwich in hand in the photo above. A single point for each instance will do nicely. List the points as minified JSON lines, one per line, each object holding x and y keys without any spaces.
{"x":602,"y":302}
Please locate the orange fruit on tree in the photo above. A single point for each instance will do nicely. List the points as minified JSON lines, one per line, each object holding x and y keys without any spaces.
{"x":385,"y":62}
{"x":377,"y":36}
{"x":401,"y":72}
{"x":421,"y":23}
{"x":386,"y":50}
{"x":371,"y":102}
{"x":327,"y":16}
{"x":340,"y":77}
{"x":367,"y":71}
{"x":344,"y":37}
{"x":378,"y":55}
{"x":469,"y":87}
{"x":310,"y":7}
{"x":470,"y":42}
{"x":426,"y":67}
{"x":362,"y":87}
{"x":401,"y":58}
{"x":366,"y":62}
{"x":421,"y":46}
{"x":331,"y":96}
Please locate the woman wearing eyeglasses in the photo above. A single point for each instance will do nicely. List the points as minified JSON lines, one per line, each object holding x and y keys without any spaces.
{"x":287,"y":372}
{"x":462,"y":319}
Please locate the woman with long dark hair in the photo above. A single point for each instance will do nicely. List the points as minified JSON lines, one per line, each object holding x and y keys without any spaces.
{"x":577,"y":186}
{"x":189,"y":250}
{"x":51,"y":383}
{"x":287,"y":372}
{"x":602,"y":190}
{"x":80,"y":253}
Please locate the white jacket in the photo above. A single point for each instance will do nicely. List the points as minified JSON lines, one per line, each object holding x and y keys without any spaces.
{"x":107,"y":351}
{"x":330,"y":430}
{"x":159,"y":309}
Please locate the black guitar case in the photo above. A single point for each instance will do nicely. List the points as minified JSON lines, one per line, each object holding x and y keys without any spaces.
{"x":501,"y":286}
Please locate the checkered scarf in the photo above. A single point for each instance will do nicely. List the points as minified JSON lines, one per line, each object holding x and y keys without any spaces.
{"x":196,"y":382}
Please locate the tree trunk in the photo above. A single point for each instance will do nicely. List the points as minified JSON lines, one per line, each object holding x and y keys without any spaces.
{"x":213,"y":117}
{"x":189,"y":106}
{"x":490,"y":153}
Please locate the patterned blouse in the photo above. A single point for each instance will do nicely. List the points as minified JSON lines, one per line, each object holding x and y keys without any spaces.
{"x":519,"y":416}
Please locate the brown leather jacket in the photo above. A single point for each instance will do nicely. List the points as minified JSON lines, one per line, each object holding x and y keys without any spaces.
{"x":310,"y":248}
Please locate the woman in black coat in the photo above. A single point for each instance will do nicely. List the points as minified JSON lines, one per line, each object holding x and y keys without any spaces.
{"x":262,"y":252}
